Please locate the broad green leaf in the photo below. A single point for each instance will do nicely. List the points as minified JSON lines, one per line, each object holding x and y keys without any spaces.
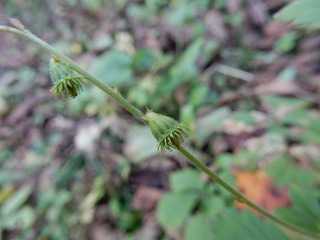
{"x":305,"y":209}
{"x":283,"y":171}
{"x":213,"y":205}
{"x":174,"y":208}
{"x":198,"y":227}
{"x":113,"y":68}
{"x":244,"y":225}
{"x":304,"y":13}
{"x":186,"y":180}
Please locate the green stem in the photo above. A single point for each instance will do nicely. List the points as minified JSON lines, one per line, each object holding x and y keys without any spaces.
{"x":136,"y":112}
{"x":73,"y":65}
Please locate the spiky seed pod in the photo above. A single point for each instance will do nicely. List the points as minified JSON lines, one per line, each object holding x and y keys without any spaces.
{"x":169,"y":133}
{"x":66,"y":82}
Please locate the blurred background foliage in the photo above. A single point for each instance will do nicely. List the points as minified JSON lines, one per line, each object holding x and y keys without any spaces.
{"x":246,"y":85}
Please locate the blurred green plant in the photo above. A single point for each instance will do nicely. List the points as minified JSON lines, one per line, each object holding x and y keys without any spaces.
{"x":178,"y":75}
{"x":303,"y":13}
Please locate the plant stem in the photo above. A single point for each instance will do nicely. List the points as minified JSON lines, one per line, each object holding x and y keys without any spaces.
{"x":73,"y":65}
{"x":136,"y":112}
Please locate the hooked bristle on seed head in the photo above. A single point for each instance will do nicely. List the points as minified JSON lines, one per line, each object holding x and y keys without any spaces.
{"x":66,"y":82}
{"x":169,"y":133}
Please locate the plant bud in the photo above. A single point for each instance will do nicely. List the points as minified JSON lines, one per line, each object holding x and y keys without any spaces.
{"x":168,"y":132}
{"x":66,"y":82}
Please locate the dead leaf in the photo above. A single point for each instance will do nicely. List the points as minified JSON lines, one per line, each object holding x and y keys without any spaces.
{"x":146,"y":198}
{"x":278,"y":86}
{"x":260,"y":189}
{"x":307,"y":155}
{"x":215,"y":26}
{"x":258,"y":12}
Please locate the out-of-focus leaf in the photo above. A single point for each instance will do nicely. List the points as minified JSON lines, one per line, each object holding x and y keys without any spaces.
{"x":87,"y":206}
{"x":244,"y":224}
{"x":309,"y":121}
{"x":213,"y":205}
{"x":16,"y":200}
{"x":283,"y":171}
{"x":174,"y":208}
{"x":5,"y":193}
{"x":260,"y":189}
{"x":181,"y":14}
{"x":185,"y":69}
{"x":140,"y":144}
{"x":113,"y":68}
{"x":22,"y":219}
{"x":304,"y":13}
{"x":287,"y":42}
{"x":305,"y":210}
{"x":207,"y":124}
{"x":186,"y":180}
{"x":144,"y":59}
{"x":199,"y":227}
{"x":187,"y":115}
{"x":198,"y":95}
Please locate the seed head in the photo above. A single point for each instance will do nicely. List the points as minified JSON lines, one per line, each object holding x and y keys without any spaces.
{"x":66,"y":82}
{"x":169,"y":133}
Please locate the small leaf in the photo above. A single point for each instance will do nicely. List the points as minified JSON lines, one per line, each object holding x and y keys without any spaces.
{"x":174,"y":208}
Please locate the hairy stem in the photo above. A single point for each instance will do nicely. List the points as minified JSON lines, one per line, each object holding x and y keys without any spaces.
{"x":136,"y":112}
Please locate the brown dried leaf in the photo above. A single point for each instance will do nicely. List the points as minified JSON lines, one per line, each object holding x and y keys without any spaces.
{"x":260,"y":189}
{"x":278,"y":86}
{"x":146,"y":198}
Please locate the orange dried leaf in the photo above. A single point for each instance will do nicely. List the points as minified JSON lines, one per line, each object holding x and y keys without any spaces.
{"x":261,"y":190}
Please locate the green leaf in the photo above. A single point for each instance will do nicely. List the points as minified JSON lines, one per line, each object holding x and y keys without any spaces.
{"x":140,"y":144}
{"x":174,"y":208}
{"x":113,"y":68}
{"x":198,"y":95}
{"x":187,"y":115}
{"x":144,"y":59}
{"x":213,"y":205}
{"x":16,"y":201}
{"x":244,"y":225}
{"x":305,"y":210}
{"x":207,"y":124}
{"x":304,"y":13}
{"x":283,"y":171}
{"x":185,"y":69}
{"x":22,"y":219}
{"x":198,"y":227}
{"x":186,"y":180}
{"x":287,"y":42}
